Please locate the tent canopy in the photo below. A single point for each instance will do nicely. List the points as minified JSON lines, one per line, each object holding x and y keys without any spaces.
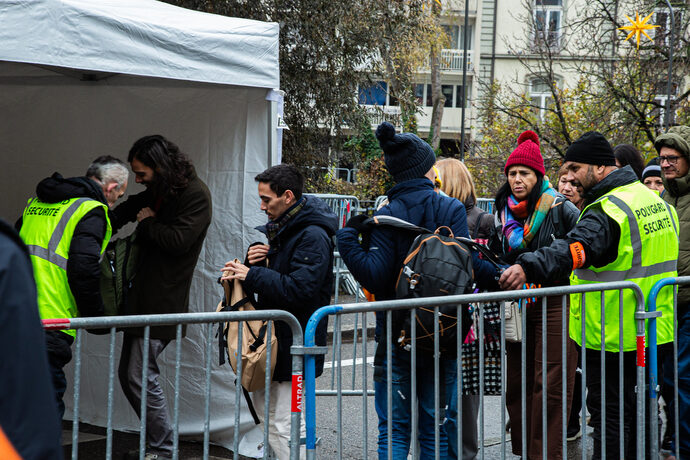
{"x":80,"y":79}
{"x":140,"y":37}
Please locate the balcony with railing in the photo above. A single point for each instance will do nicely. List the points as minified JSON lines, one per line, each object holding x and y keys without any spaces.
{"x":451,"y":61}
{"x":450,"y":123}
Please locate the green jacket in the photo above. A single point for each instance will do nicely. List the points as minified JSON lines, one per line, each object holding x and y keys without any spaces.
{"x":678,"y":195}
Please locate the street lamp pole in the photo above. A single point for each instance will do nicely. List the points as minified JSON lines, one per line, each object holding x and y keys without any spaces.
{"x":667,"y":114}
{"x":464,"y":81}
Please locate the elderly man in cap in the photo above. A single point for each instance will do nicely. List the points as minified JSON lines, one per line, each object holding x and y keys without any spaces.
{"x":625,"y":232}
{"x":674,"y":152}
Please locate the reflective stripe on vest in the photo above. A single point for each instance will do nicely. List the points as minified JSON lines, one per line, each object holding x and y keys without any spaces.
{"x":50,"y":253}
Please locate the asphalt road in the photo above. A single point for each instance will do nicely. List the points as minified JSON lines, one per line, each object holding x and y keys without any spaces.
{"x":341,"y":425}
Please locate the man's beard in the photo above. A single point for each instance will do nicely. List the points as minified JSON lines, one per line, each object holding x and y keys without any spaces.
{"x":157,"y":186}
{"x":589,"y":181}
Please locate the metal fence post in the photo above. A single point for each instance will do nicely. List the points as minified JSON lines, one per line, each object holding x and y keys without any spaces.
{"x":310,"y":376}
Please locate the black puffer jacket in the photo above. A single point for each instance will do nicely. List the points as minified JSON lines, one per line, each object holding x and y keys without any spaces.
{"x":83,"y":268}
{"x":479,"y":222}
{"x":299,"y":276}
{"x":561,"y":218}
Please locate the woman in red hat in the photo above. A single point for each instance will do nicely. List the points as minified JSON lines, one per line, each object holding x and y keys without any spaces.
{"x":530,"y":214}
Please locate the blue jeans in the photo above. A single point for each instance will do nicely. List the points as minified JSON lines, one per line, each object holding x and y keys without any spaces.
{"x":401,"y":396}
{"x":683,"y":381}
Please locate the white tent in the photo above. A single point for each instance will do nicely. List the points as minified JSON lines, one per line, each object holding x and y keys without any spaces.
{"x":82,"y":78}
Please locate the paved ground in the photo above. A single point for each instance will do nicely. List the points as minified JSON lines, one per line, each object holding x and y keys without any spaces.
{"x":92,"y":445}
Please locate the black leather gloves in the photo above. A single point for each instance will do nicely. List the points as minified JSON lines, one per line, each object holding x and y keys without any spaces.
{"x":361,"y":222}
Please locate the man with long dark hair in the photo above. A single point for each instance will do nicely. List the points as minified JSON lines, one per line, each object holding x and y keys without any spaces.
{"x":173,"y":215}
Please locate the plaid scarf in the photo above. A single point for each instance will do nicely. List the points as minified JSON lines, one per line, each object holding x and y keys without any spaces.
{"x":273,"y":227}
{"x":517,"y":234}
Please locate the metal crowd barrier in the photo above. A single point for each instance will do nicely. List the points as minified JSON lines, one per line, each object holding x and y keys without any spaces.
{"x":116,"y":323}
{"x":344,"y":206}
{"x":486,"y":204}
{"x":379,"y":200}
{"x":480,"y":299}
{"x":653,"y":364}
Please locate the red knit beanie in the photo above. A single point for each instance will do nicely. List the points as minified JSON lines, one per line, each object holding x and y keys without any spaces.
{"x":527,"y":153}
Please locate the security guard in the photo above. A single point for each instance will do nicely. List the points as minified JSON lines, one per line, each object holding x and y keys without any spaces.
{"x":66,"y":229}
{"x":625,"y":233}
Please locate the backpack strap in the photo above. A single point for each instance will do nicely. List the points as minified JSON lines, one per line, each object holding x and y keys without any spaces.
{"x":250,"y":405}
{"x":488,"y":255}
{"x":478,"y":225}
{"x":390,"y":221}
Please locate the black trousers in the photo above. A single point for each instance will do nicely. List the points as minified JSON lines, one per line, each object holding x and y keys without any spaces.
{"x":58,"y":347}
{"x":611,"y":390}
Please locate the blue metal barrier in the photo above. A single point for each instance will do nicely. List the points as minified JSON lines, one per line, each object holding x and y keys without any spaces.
{"x":408,"y":304}
{"x":653,"y":377}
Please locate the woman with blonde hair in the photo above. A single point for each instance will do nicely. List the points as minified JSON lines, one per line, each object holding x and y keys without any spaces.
{"x":456,"y":182}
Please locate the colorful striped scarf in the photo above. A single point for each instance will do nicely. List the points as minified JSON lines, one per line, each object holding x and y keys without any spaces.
{"x":517,"y":234}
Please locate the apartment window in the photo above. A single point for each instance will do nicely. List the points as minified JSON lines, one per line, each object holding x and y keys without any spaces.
{"x":459,"y":96}
{"x":662,"y":18}
{"x":453,"y":95}
{"x":419,"y":93}
{"x":373,"y":94}
{"x":541,"y":96}
{"x":548,"y":15}
{"x":456,"y":36}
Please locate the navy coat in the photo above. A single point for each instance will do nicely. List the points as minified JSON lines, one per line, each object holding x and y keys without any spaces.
{"x":416,"y":202}
{"x":28,"y":410}
{"x":299,"y":276}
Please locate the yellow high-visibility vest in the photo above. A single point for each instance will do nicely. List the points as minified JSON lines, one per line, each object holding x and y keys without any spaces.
{"x":647,"y":252}
{"x":47,"y":230}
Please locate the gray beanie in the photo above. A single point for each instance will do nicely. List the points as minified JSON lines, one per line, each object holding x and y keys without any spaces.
{"x":677,"y":137}
{"x":406,"y":155}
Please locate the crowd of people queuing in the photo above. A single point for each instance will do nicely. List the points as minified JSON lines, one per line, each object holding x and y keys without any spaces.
{"x":608,"y":217}
{"x":597,"y":223}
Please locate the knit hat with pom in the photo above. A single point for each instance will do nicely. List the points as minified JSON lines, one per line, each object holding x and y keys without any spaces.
{"x":527,"y":153}
{"x":405,"y":154}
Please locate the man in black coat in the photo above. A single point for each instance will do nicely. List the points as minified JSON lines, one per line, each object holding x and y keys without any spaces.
{"x":173,"y":215}
{"x":28,"y":415}
{"x":293,"y":272}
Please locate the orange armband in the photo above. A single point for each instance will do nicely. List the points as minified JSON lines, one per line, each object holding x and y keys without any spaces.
{"x":577,"y":251}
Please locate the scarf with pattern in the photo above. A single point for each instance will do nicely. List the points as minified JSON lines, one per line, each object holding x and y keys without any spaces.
{"x":274,"y":226}
{"x":517,"y":234}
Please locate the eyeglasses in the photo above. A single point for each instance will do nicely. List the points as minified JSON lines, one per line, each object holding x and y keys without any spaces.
{"x":672,"y":160}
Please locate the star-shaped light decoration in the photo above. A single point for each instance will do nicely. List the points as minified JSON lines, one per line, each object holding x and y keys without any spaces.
{"x":638,"y":27}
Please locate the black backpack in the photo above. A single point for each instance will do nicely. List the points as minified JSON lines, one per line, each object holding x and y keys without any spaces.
{"x":435,"y":265}
{"x":118,"y":268}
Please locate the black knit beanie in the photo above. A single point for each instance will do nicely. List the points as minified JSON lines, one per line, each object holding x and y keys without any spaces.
{"x":406,"y":155}
{"x":591,"y":148}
